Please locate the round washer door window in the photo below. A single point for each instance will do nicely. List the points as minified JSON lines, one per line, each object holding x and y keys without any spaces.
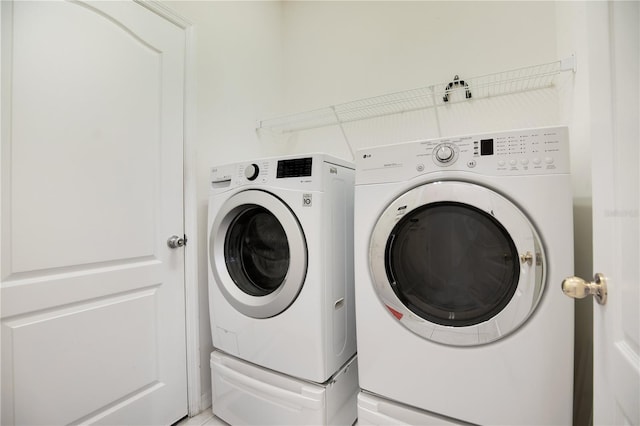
{"x":457,"y":263}
{"x":258,"y":253}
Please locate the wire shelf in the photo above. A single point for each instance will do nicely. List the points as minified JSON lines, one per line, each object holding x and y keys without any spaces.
{"x":491,"y":85}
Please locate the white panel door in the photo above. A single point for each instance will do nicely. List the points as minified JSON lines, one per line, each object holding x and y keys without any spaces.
{"x":615,"y":130}
{"x":92,"y":298}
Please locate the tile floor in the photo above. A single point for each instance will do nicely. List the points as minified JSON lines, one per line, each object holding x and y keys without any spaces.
{"x":206,"y":418}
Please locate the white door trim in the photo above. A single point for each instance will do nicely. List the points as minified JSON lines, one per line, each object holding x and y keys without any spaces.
{"x":192,"y":313}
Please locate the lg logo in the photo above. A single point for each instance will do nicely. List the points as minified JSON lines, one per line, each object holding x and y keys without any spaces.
{"x":366,"y":156}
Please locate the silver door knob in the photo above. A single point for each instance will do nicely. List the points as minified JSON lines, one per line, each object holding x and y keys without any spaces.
{"x":578,"y":288}
{"x":174,"y":241}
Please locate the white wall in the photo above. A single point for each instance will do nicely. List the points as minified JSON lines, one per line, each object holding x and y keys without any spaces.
{"x":258,"y":60}
{"x":342,"y":51}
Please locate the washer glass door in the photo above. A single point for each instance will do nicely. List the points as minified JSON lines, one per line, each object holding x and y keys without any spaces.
{"x":258,"y":253}
{"x":457,"y":263}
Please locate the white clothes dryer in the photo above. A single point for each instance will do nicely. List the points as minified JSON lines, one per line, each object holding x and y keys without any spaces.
{"x":461,"y":245}
{"x":281,"y":263}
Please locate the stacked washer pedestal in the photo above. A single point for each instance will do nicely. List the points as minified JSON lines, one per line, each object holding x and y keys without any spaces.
{"x":461,"y":245}
{"x":281,"y":291}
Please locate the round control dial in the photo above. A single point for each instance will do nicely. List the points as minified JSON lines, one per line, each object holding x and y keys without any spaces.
{"x":444,"y":153}
{"x":251,"y":171}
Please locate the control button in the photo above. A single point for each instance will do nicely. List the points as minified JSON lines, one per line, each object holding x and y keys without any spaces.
{"x":548,"y":160}
{"x":444,"y":153}
{"x":501,"y":163}
{"x":536,"y":160}
{"x":513,"y":162}
{"x":524,"y":161}
{"x":251,"y":171}
{"x":471,"y":164}
{"x":420,"y":167}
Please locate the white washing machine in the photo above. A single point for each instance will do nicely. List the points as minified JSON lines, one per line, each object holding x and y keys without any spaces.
{"x":281,"y":263}
{"x":461,"y":245}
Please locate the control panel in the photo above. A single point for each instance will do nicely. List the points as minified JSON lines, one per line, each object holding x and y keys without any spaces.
{"x":517,"y":152}
{"x":283,"y":172}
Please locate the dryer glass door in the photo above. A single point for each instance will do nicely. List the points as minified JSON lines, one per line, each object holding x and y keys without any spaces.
{"x":452,"y":263}
{"x":457,"y":263}
{"x":258,"y":253}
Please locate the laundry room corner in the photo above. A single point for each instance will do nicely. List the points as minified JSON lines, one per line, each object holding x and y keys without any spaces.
{"x":263,"y":60}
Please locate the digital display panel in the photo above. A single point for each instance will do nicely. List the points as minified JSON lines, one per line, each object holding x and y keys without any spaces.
{"x":297,"y":167}
{"x":486,"y":147}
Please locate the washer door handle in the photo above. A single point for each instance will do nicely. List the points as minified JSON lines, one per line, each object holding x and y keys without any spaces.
{"x":174,"y":241}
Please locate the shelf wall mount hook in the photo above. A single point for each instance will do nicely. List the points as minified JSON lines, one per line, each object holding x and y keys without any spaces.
{"x":454,"y":85}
